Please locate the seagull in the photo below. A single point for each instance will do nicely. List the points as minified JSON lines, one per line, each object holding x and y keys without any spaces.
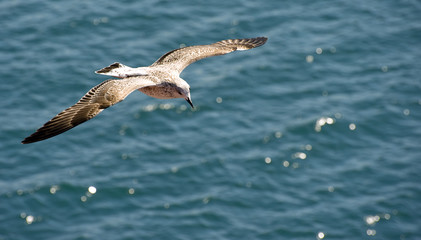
{"x":159,"y":80}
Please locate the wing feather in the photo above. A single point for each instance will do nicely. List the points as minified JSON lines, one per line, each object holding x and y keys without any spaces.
{"x":97,"y":99}
{"x":179,"y":59}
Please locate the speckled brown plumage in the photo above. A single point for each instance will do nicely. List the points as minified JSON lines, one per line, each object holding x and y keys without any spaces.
{"x":160,"y":80}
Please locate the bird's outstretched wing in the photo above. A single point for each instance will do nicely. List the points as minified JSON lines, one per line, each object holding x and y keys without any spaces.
{"x":95,"y":101}
{"x":179,"y":59}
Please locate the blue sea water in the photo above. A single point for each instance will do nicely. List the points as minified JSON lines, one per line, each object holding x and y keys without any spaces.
{"x":315,"y":135}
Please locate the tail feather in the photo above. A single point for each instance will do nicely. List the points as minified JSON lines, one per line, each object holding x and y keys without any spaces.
{"x":121,"y":71}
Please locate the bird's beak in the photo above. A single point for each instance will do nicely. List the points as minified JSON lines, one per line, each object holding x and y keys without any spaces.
{"x":189,"y":101}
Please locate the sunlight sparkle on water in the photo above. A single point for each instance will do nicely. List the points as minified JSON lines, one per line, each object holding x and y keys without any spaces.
{"x":182,"y":108}
{"x":371,"y":232}
{"x":266,"y":139}
{"x":300,"y":155}
{"x":29,"y":219}
{"x":150,"y":107}
{"x":384,"y":69}
{"x":320,"y":235}
{"x":338,"y":115}
{"x":98,"y":21}
{"x":123,"y":130}
{"x":54,"y":189}
{"x":92,"y":190}
{"x":166,"y":106}
{"x":323,"y":121}
{"x":370,"y":220}
{"x":330,"y":121}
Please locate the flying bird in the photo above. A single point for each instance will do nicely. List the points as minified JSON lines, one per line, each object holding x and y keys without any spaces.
{"x":159,"y":80}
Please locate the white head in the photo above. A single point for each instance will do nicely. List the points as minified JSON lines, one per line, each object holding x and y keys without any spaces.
{"x":183,"y":88}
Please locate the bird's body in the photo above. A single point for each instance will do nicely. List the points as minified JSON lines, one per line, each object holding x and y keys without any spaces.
{"x":159,"y":80}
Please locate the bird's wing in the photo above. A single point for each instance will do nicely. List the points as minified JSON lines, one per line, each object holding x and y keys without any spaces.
{"x":179,"y":59}
{"x":122,"y":71}
{"x":95,"y":101}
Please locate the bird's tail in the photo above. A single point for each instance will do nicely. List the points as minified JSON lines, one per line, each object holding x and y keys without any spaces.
{"x":121,"y":71}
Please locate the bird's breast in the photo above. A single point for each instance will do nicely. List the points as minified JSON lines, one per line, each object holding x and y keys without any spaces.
{"x":162,"y":91}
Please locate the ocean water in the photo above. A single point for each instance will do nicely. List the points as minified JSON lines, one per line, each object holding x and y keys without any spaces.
{"x":315,"y":135}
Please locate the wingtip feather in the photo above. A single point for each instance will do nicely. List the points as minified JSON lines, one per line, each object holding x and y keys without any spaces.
{"x":244,"y":43}
{"x":109,"y":68}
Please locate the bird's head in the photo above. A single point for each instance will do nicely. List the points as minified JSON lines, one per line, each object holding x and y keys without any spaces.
{"x":184,"y":92}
